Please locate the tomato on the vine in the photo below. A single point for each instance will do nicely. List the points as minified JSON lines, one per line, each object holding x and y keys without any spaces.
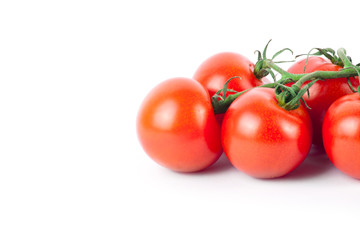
{"x":177,"y":128}
{"x":322,"y":93}
{"x":261,"y":138}
{"x":341,"y":134}
{"x":217,"y":69}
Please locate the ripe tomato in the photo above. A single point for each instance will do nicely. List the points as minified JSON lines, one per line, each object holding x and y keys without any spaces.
{"x":177,"y":128}
{"x":341,"y":134}
{"x":261,"y":138}
{"x":216,"y":70}
{"x":322,"y":93}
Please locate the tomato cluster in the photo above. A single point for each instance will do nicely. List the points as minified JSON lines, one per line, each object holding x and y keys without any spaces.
{"x":177,"y":126}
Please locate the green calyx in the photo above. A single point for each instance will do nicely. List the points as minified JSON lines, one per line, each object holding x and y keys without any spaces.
{"x":262,"y":68}
{"x":259,"y":70}
{"x":290,"y":98}
{"x":287,"y":97}
{"x":330,"y":54}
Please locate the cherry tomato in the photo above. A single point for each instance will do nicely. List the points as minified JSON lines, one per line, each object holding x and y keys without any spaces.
{"x":261,"y":138}
{"x":341,"y":134}
{"x":322,"y":93}
{"x":177,"y":128}
{"x":216,"y":70}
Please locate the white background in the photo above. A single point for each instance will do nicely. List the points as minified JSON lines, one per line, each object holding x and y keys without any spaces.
{"x":72,"y":76}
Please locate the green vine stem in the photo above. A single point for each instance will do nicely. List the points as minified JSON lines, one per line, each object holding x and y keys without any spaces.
{"x":289,"y":97}
{"x":220,"y":106}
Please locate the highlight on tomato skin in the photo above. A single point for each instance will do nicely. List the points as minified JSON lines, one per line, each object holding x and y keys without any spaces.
{"x":177,"y":128}
{"x":262,"y":139}
{"x":217,"y":69}
{"x":341,"y":134}
{"x":322,"y":93}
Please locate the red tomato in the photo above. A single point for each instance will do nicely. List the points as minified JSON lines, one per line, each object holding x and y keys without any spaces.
{"x":322,"y":93}
{"x":261,"y":138}
{"x":216,"y":70}
{"x":341,"y":134}
{"x":177,"y":128}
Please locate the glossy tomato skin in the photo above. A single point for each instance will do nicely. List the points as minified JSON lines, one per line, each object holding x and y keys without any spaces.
{"x":262,"y":139}
{"x":341,"y":134}
{"x":216,"y":70}
{"x":322,"y":93}
{"x":177,"y":128}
